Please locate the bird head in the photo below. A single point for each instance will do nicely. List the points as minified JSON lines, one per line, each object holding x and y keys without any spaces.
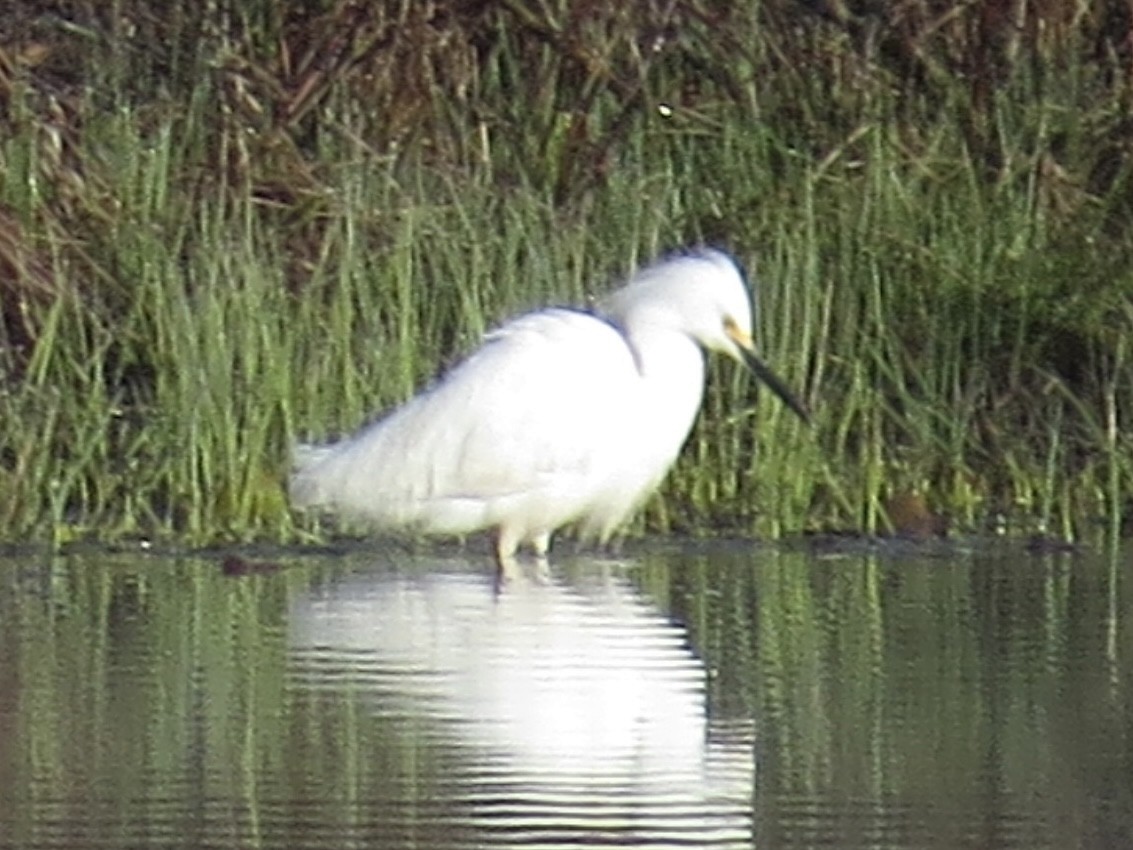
{"x":701,"y":293}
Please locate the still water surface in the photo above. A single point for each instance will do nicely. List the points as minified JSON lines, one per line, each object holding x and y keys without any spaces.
{"x":682,"y":696}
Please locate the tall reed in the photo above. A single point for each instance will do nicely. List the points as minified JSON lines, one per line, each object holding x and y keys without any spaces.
{"x":276,"y":244}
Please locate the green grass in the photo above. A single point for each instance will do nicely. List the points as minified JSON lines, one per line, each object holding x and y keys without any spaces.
{"x":196,"y":285}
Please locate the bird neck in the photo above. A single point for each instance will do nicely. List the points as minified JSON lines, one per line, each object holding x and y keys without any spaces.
{"x":670,"y":362}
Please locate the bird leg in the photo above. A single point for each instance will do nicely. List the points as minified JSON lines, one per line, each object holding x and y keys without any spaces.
{"x":542,"y":545}
{"x":507,"y":567}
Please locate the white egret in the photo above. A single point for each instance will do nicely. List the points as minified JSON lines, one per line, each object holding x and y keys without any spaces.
{"x":562,"y":417}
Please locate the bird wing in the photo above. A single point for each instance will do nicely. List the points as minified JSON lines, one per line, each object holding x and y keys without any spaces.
{"x":531,"y":415}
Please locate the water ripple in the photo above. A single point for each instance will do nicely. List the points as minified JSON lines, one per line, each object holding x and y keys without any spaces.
{"x":567,"y":714}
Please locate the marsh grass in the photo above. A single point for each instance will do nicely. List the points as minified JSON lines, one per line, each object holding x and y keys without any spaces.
{"x":265,"y":248}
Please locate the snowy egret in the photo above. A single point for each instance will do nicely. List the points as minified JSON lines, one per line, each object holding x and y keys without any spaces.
{"x":562,"y":417}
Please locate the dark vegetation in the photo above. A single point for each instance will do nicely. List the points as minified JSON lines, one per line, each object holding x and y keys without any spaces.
{"x":226,"y":224}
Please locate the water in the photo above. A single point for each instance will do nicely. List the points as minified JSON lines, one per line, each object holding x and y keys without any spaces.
{"x":720,"y":696}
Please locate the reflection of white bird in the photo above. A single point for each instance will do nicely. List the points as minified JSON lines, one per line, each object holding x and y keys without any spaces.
{"x":563,"y":416}
{"x":571,"y":710}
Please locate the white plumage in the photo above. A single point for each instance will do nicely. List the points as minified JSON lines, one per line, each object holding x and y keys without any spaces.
{"x":561,"y":417}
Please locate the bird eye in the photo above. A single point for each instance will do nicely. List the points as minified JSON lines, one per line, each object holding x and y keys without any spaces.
{"x":733,"y":332}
